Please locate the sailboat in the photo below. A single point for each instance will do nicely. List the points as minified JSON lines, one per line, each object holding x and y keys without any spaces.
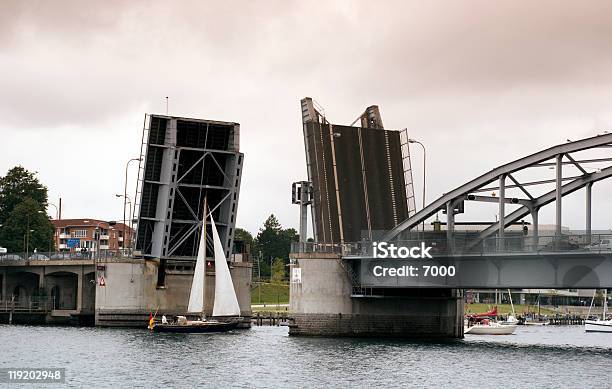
{"x":226,"y":311}
{"x":481,"y":324}
{"x":602,"y":325}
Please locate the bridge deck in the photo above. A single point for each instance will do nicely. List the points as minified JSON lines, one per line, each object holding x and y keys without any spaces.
{"x":573,"y":270}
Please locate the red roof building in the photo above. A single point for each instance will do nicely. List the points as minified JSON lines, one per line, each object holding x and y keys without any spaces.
{"x":91,"y":235}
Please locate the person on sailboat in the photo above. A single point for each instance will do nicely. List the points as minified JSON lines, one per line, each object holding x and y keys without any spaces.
{"x":164,"y":320}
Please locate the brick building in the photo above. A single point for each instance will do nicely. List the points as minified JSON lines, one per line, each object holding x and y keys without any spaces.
{"x":91,"y":235}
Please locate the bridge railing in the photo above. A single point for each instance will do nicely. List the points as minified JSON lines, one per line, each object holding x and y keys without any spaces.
{"x":32,"y":304}
{"x":468,"y":245}
{"x":56,"y":255}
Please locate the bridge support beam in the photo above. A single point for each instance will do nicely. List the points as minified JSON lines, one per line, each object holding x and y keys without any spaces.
{"x":535,"y":230}
{"x":3,"y":294}
{"x":79,"y":291}
{"x":502,"y":212}
{"x":450,"y":224}
{"x":559,"y":184}
{"x":587,"y":227}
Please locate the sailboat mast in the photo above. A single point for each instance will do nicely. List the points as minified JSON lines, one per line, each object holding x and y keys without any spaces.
{"x":605,"y":303}
{"x":511,"y":303}
{"x":204,"y":275}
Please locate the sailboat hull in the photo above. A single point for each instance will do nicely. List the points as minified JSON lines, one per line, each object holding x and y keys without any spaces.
{"x":496,"y":329}
{"x":598,"y":326}
{"x":197,"y":327}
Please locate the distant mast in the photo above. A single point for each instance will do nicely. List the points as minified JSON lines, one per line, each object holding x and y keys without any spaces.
{"x":605,"y":304}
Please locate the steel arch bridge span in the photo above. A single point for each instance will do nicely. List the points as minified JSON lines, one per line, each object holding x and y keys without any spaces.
{"x":560,"y":155}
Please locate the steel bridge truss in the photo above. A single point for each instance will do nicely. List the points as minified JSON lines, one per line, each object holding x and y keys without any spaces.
{"x":529,"y":204}
{"x":186,"y":161}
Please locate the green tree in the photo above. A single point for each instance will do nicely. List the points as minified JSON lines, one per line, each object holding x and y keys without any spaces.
{"x":278,"y":271}
{"x":243,"y":235}
{"x":27,"y":215}
{"x":273,"y":241}
{"x":18,"y":185}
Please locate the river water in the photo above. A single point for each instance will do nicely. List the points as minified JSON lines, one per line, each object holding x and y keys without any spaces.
{"x":551,"y":356}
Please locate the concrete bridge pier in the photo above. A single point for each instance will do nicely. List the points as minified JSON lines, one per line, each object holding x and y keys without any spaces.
{"x":47,"y":291}
{"x":324,"y":303}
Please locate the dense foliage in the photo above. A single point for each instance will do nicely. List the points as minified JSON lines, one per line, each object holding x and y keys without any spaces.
{"x":24,"y":225}
{"x":271,"y":247}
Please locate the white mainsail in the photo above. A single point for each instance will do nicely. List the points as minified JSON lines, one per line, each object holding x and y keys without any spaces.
{"x":226,"y":303}
{"x":196,"y":297}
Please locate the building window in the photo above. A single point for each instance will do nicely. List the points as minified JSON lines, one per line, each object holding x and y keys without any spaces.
{"x":79,"y":233}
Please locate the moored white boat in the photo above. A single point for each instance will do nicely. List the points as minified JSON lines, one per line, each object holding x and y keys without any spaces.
{"x":490,"y":328}
{"x":510,"y":320}
{"x":598,"y":326}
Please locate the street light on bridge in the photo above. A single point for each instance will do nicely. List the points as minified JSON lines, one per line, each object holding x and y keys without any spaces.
{"x":56,"y":210}
{"x":411,"y":140}
{"x":27,"y":235}
{"x":125,"y":198}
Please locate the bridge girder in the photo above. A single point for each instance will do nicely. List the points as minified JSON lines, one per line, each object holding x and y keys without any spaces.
{"x":449,"y":200}
{"x":546,"y":199}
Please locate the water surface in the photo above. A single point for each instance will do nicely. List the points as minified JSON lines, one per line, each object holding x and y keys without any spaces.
{"x":551,"y":356}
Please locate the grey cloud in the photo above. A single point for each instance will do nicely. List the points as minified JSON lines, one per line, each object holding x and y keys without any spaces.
{"x":459,"y":74}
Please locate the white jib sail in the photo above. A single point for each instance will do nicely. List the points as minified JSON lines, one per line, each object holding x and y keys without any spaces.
{"x":196,"y":297}
{"x":226,"y":303}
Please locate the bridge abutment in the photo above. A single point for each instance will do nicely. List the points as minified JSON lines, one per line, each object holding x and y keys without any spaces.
{"x":323,"y":304}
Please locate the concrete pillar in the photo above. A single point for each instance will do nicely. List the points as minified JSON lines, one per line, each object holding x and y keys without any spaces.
{"x":502,"y":213}
{"x":79,"y":298}
{"x":4,"y":281}
{"x":559,"y":184}
{"x":589,"y":188}
{"x":41,"y":278}
{"x":303,"y":223}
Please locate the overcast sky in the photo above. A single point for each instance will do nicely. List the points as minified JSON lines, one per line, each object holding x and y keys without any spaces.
{"x":480,"y":83}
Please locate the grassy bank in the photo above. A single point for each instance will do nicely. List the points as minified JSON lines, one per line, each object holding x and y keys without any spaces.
{"x":270,"y":293}
{"x":504,"y":309}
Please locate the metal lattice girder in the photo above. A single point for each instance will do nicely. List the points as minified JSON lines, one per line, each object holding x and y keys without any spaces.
{"x":521,"y":187}
{"x":548,"y":198}
{"x":186,"y":159}
{"x":461,"y":192}
{"x":572,"y":160}
{"x":507,"y":200}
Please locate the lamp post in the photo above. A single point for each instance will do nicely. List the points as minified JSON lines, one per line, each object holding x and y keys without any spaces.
{"x":424,"y":172}
{"x":125,"y":188}
{"x":56,"y":210}
{"x":125,"y":198}
{"x":55,"y":229}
